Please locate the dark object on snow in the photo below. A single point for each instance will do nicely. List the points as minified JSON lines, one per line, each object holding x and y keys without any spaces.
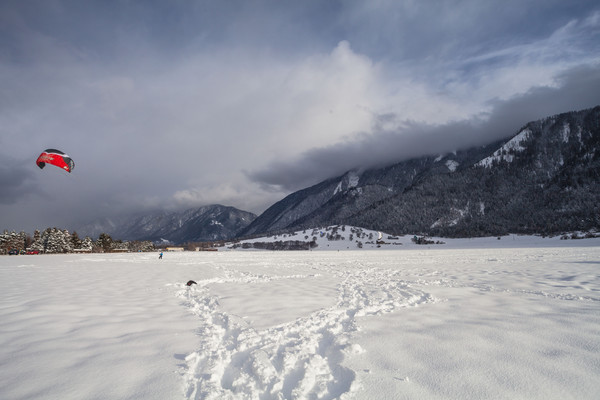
{"x":190,"y":283}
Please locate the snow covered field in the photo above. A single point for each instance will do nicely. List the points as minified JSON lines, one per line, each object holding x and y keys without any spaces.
{"x":469,"y":319}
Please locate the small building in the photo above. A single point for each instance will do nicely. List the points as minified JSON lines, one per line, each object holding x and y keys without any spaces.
{"x":175,"y":248}
{"x":206,"y":249}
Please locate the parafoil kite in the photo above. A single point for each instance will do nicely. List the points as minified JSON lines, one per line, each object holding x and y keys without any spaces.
{"x":55,"y":157}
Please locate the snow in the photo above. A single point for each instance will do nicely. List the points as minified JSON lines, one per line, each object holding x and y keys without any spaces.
{"x":517,"y":317}
{"x":456,"y":212}
{"x":452,"y":165}
{"x":566,"y":131}
{"x":338,"y":188}
{"x":353,"y":179}
{"x":505,"y":153}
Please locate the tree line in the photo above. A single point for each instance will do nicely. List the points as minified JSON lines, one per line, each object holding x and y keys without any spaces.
{"x":57,"y":241}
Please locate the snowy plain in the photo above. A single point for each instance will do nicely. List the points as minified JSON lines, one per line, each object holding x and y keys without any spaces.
{"x":517,"y":318}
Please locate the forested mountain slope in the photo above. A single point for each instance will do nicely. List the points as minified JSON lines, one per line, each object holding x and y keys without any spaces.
{"x":545,"y":178}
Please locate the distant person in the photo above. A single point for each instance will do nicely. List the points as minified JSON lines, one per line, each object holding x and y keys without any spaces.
{"x":160,"y":256}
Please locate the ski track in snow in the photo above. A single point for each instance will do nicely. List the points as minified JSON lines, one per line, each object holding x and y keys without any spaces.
{"x":301,"y":359}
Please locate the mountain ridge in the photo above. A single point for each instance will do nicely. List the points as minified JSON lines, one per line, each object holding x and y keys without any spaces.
{"x":542,"y":179}
{"x":206,"y":223}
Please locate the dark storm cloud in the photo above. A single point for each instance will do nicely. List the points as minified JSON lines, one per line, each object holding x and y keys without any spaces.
{"x":578,"y":89}
{"x":17,"y":180}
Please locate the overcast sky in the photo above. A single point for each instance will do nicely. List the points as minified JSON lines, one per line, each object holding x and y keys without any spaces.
{"x":177,"y":104}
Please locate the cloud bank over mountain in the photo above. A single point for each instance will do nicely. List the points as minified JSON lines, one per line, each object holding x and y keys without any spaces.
{"x":188,"y":104}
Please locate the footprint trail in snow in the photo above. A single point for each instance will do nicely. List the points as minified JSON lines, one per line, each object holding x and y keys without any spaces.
{"x":301,"y":359}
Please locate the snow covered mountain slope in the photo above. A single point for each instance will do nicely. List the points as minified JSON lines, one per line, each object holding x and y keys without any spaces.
{"x":543,"y":179}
